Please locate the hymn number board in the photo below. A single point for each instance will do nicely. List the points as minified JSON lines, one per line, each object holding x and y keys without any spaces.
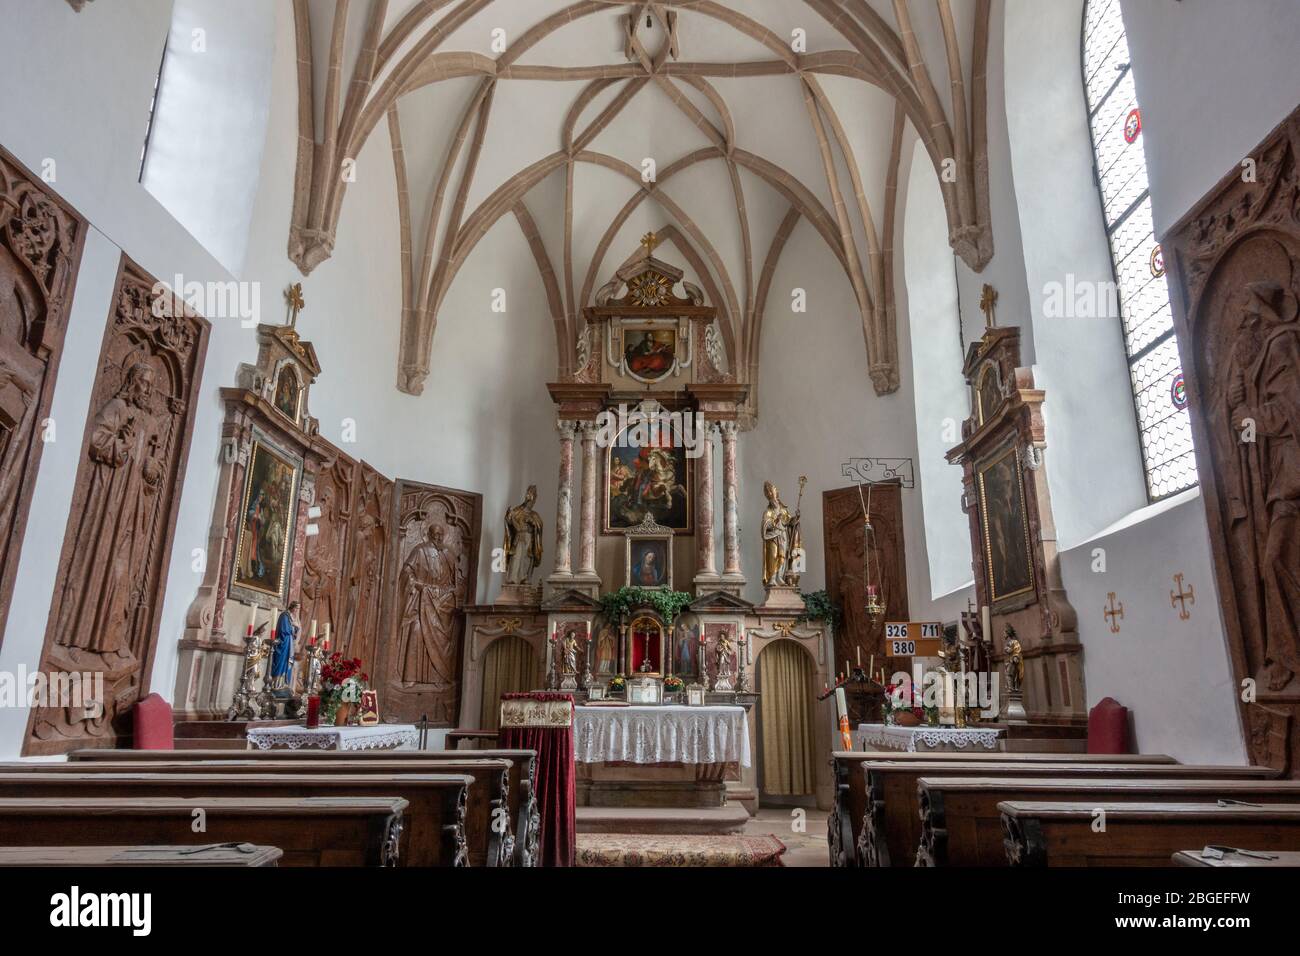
{"x":913,"y":638}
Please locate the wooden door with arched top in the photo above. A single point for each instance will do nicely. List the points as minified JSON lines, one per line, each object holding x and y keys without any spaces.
{"x":509,"y":666}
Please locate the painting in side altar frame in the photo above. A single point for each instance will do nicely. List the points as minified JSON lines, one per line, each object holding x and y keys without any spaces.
{"x":652,"y":480}
{"x":266,"y":520}
{"x":288,"y":393}
{"x":1004,"y":526}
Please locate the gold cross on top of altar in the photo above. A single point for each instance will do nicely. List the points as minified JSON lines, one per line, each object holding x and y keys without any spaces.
{"x":989,"y":299}
{"x":293,"y":296}
{"x":649,"y":240}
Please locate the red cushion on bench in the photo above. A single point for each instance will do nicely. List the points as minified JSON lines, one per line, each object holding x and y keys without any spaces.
{"x":1108,"y":728}
{"x":153,"y":724}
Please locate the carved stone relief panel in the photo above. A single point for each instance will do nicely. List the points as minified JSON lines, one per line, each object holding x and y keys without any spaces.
{"x":104,"y":616}
{"x":40,"y":250}
{"x":1235,"y":283}
{"x":434,"y":561}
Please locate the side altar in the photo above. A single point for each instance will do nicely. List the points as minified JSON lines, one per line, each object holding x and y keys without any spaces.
{"x":643,"y":618}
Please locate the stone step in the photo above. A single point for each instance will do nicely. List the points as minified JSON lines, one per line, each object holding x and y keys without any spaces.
{"x":709,"y":820}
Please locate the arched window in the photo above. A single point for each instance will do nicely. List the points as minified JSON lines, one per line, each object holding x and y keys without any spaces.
{"x":1155,"y":368}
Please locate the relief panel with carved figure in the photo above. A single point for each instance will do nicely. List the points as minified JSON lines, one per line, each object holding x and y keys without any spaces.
{"x":40,"y":250}
{"x":104,"y":617}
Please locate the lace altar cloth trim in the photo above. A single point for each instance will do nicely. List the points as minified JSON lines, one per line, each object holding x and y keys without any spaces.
{"x":661,"y":734}
{"x":905,"y":738}
{"x":378,"y":737}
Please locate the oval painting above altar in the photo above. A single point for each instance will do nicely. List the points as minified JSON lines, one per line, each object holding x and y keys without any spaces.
{"x":649,"y":353}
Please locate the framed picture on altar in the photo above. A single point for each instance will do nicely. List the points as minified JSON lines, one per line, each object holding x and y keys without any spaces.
{"x":1004,"y":526}
{"x":265,"y":524}
{"x":648,"y":475}
{"x":596,"y":692}
{"x":648,"y":554}
{"x":695,"y":696}
{"x":369,"y":708}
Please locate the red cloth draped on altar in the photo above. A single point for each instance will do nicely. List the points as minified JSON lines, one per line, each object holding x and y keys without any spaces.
{"x":544,"y":722}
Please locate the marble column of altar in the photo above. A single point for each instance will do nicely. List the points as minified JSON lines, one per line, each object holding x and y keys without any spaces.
{"x":586,"y":578}
{"x":733,"y":579}
{"x":706,"y":575}
{"x":562,"y":572}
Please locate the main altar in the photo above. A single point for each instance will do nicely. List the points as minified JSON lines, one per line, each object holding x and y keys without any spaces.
{"x":640,"y":613}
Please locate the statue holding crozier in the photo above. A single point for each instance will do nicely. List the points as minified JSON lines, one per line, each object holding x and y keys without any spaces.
{"x":523,"y":541}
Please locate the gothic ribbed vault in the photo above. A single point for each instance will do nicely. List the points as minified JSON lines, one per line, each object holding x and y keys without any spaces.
{"x":731,"y":120}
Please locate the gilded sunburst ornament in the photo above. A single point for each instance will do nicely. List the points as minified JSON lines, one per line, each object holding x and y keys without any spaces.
{"x":649,"y":289}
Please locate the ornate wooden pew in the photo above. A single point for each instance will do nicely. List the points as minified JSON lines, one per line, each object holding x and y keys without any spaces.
{"x":844,"y":825}
{"x":488,"y":798}
{"x":82,"y":857}
{"x":433,"y":830}
{"x":312,"y":831}
{"x":891,"y":823}
{"x":523,"y":774}
{"x":961,"y":824}
{"x":1138,"y":834}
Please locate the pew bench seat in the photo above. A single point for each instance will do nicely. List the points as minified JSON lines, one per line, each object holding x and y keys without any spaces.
{"x":1138,"y":834}
{"x":312,"y":831}
{"x":961,"y":824}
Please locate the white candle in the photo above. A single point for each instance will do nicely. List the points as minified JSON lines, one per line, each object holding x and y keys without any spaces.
{"x":986,"y":623}
{"x":312,"y":634}
{"x":859,"y":649}
{"x":841,"y":705}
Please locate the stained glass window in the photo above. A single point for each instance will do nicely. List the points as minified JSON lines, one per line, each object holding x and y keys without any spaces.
{"x":1155,"y":367}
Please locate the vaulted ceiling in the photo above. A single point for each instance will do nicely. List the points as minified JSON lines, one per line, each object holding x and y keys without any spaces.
{"x":724,"y":122}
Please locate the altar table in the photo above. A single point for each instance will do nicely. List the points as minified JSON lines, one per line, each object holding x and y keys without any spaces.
{"x":925,"y":738}
{"x":660,"y":734}
{"x":374,"y":737}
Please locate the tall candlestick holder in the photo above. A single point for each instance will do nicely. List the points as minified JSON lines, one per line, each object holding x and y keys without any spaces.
{"x":311,"y":681}
{"x":244,"y":706}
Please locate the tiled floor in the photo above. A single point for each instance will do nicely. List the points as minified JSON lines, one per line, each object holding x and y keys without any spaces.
{"x":802,"y":831}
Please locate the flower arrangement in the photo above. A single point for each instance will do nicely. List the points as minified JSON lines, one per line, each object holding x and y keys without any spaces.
{"x":342,"y":682}
{"x":674,"y":684}
{"x":617,"y":684}
{"x":897,"y":704}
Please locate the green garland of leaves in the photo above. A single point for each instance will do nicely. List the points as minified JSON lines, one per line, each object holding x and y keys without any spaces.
{"x":818,"y":606}
{"x":615,"y":605}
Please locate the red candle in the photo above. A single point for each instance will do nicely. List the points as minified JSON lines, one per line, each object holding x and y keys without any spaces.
{"x":313,"y":710}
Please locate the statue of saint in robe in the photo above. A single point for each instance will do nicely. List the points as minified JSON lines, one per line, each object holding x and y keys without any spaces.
{"x":780,"y":531}
{"x":1263,"y":394}
{"x":116,"y":526}
{"x":286,"y":633}
{"x":427,"y":631}
{"x":523,"y":542}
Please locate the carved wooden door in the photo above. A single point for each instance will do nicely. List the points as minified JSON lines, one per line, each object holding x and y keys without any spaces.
{"x":846,"y":577}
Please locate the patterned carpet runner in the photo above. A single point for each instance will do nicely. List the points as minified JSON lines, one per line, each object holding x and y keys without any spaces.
{"x":632,"y":849}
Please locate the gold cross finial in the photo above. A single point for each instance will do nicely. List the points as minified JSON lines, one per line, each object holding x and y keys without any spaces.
{"x":293,"y":296}
{"x":649,"y":240}
{"x":989,"y":299}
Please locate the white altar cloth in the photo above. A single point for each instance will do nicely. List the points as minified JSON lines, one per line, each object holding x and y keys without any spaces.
{"x":661,"y":734}
{"x":919,"y":739}
{"x":295,"y":737}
